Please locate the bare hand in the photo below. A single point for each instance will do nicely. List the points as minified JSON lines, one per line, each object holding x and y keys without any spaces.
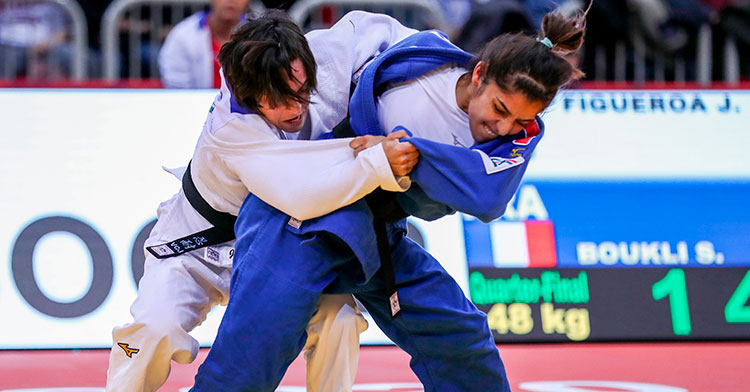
{"x":401,"y":156}
{"x":363,"y":142}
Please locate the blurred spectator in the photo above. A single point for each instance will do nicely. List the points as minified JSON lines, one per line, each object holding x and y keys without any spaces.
{"x":188,"y":57}
{"x":669,"y":29}
{"x":490,"y":18}
{"x":735,"y":19}
{"x":664,"y":29}
{"x":455,"y":14}
{"x":733,"y":22}
{"x":668,"y":25}
{"x":93,"y":11}
{"x":31,"y":41}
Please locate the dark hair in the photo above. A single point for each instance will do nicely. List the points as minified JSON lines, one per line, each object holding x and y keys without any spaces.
{"x":257,"y":60}
{"x":523,"y":63}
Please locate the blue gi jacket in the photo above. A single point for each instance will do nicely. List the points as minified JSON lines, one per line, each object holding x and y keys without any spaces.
{"x":479,"y":181}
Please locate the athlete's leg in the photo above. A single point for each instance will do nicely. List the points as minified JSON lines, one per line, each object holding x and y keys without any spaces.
{"x":447,"y":337}
{"x":174,"y":297}
{"x":262,"y":332}
{"x":274,"y":293}
{"x":332,"y":348}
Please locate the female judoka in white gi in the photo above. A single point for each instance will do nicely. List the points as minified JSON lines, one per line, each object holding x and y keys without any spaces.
{"x":240,"y":150}
{"x":489,"y":102}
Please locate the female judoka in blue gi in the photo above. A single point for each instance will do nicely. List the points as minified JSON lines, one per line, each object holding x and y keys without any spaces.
{"x":490,"y":103}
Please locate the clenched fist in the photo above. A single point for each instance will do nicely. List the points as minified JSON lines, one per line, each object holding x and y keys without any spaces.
{"x":401,"y":156}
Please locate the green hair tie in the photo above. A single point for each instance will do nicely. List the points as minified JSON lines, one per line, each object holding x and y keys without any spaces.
{"x":545,"y":41}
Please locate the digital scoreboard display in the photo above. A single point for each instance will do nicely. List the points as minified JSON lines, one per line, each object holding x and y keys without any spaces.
{"x":555,"y":305}
{"x":614,"y":261}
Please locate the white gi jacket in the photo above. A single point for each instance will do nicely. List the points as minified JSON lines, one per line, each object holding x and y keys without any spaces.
{"x":240,"y":153}
{"x":186,"y":60}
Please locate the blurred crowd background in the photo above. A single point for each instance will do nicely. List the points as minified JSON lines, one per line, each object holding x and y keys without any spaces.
{"x":172,"y":43}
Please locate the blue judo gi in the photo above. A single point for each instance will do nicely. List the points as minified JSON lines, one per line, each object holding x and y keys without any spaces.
{"x":281,"y":268}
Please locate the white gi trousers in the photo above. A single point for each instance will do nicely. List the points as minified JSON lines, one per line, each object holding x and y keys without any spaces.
{"x":176,"y":294}
{"x":184,"y":290}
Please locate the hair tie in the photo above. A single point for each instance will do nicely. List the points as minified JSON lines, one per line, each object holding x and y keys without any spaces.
{"x":545,"y":41}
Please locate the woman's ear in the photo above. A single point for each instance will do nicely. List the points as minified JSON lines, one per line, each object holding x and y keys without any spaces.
{"x":477,"y":75}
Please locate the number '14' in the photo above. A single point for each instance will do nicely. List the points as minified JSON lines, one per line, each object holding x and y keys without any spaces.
{"x":673,"y":285}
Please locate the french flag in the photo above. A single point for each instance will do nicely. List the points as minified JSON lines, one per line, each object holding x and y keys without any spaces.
{"x":504,"y":244}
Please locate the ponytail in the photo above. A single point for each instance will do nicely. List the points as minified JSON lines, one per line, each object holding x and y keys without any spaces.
{"x":535,"y":66}
{"x":566,"y":33}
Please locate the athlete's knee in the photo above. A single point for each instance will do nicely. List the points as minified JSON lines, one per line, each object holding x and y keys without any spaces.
{"x":336,"y":318}
{"x":349,"y":320}
{"x":331,"y":305}
{"x":163,"y":338}
{"x":340,"y":313}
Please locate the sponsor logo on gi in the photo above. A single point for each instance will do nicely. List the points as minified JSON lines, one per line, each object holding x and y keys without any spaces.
{"x":128,"y":350}
{"x":502,"y":161}
{"x":212,"y":254}
{"x":497,"y":164}
{"x":162,"y":250}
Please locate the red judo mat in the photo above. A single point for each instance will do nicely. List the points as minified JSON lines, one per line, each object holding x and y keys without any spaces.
{"x":590,"y":367}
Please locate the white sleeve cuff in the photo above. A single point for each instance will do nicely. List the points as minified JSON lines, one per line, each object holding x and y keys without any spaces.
{"x":404,"y":182}
{"x":376,"y":158}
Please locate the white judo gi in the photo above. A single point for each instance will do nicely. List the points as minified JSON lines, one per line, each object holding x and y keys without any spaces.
{"x":237,"y":153}
{"x":186,"y":57}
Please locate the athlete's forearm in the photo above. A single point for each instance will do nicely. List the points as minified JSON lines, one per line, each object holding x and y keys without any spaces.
{"x":307,"y":179}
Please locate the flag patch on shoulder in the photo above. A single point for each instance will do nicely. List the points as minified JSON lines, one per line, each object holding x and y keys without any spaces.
{"x":498,"y":164}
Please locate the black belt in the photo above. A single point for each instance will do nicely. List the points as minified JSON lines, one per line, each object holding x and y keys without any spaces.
{"x":222,"y":230}
{"x":385,"y":209}
{"x":383,"y":204}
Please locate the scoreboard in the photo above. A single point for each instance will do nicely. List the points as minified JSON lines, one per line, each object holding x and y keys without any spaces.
{"x":609,"y":304}
{"x":613,"y":261}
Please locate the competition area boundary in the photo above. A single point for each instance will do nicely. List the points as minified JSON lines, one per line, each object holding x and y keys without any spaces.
{"x":567,"y":367}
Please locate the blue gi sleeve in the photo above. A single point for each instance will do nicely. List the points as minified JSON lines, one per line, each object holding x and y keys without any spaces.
{"x":415,"y":202}
{"x":479,"y":181}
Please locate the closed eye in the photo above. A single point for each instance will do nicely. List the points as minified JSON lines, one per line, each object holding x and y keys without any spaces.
{"x":500,"y":111}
